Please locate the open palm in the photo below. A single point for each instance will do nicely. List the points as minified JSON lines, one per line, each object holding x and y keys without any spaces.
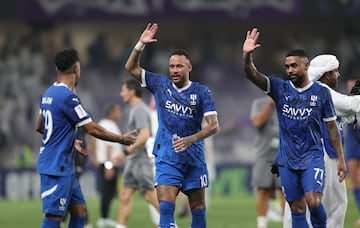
{"x":148,"y":35}
{"x":250,"y":43}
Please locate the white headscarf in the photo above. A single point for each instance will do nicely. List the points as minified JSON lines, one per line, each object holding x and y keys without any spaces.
{"x":322,"y":64}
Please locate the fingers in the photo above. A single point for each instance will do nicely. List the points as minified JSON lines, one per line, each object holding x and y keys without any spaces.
{"x":253,"y":34}
{"x":341,"y":175}
{"x":153,"y":27}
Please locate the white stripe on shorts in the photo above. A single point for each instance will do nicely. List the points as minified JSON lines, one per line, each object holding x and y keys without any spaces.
{"x":48,"y":192}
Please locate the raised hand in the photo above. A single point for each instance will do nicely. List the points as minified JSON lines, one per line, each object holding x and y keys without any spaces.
{"x":148,"y":35}
{"x":250,"y":43}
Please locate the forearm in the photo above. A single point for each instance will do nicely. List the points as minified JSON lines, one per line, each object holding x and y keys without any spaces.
{"x":335,"y":139}
{"x":261,"y":117}
{"x":143,"y":136}
{"x":101,"y":133}
{"x":210,"y":129}
{"x":133,"y":63}
{"x":345,"y":105}
{"x":252,"y":73}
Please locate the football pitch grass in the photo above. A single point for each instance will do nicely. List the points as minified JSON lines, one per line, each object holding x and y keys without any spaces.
{"x":223,"y":212}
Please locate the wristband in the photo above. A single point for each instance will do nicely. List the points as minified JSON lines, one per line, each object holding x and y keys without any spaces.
{"x":108,"y":165}
{"x":126,"y":152}
{"x":139,"y":46}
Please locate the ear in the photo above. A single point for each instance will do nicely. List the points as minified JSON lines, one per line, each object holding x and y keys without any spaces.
{"x":327,"y":75}
{"x":190,"y":67}
{"x":76,"y":69}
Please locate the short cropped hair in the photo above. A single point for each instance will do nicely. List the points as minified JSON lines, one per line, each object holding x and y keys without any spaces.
{"x":297,"y":52}
{"x":133,"y":84}
{"x":181,"y":52}
{"x":111,"y":108}
{"x":65,"y":59}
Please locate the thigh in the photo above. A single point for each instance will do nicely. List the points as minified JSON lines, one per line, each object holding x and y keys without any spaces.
{"x":144,"y":175}
{"x":55,"y":194}
{"x":291,"y":184}
{"x":195,"y":177}
{"x":77,"y":197}
{"x":313,"y":178}
{"x":354,"y":171}
{"x":169,"y":174}
{"x":262,"y":177}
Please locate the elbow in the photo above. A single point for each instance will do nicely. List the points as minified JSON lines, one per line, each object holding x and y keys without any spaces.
{"x":133,"y":69}
{"x":40,"y":130}
{"x":256,"y":123}
{"x":128,"y":66}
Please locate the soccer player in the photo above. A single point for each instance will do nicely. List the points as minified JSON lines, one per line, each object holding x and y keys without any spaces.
{"x":179,"y":148}
{"x":104,"y":153}
{"x":352,"y":157}
{"x":61,"y":114}
{"x":325,"y":70}
{"x":266,"y":144}
{"x":138,"y":171}
{"x":302,"y":106}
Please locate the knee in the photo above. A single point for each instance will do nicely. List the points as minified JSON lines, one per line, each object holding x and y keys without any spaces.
{"x":298,"y":206}
{"x":197,"y":205}
{"x":125,"y":198}
{"x":313,"y":202}
{"x":78,"y":210}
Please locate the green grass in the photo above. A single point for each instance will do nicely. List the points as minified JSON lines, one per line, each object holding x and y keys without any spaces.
{"x":223,"y":212}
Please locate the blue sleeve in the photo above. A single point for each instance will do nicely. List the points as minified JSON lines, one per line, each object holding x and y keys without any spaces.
{"x":208,"y":104}
{"x":74,"y":110}
{"x":276,"y":87}
{"x":154,"y":81}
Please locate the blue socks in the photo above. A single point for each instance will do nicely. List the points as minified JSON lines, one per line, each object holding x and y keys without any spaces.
{"x":198,"y":218}
{"x":299,"y":220}
{"x":318,"y":216}
{"x":76,"y":222}
{"x":167,"y":210}
{"x":167,"y":220}
{"x":50,"y":223}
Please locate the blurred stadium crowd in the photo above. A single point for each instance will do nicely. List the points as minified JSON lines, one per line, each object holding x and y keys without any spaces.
{"x":27,"y":49}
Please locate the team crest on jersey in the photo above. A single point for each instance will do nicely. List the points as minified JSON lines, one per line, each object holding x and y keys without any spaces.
{"x":193,"y":98}
{"x":313,"y":100}
{"x":62,"y":204}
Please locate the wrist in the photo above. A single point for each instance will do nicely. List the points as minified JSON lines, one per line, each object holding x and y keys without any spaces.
{"x":126,"y":152}
{"x":139,"y":46}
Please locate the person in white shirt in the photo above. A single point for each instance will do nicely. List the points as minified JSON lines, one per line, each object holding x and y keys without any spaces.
{"x":108,"y":174}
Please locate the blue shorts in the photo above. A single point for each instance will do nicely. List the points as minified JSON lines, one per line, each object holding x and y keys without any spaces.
{"x":58,"y":192}
{"x":296,"y":182}
{"x":184,"y":177}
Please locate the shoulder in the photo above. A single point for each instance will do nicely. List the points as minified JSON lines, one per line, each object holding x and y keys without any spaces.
{"x":200,"y":88}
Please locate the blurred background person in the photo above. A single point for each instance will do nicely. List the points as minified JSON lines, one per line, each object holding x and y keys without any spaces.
{"x":267,"y":185}
{"x":352,"y":155}
{"x":104,"y":153}
{"x":137,"y":171}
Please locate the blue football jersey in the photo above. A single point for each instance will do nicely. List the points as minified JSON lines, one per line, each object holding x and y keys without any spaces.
{"x":180,"y":114}
{"x":301,"y":113}
{"x":62,"y":113}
